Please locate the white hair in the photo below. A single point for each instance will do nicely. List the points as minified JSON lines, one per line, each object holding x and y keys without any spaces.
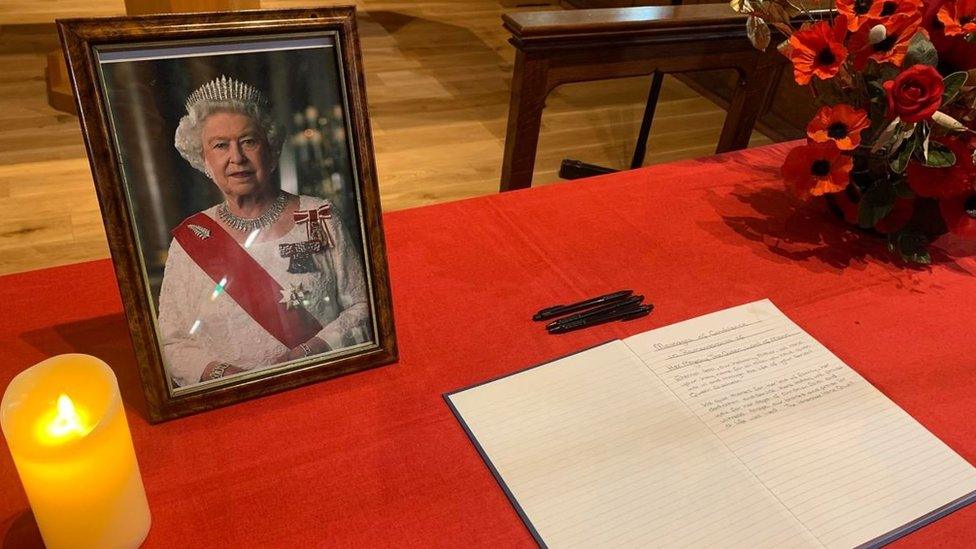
{"x":189,"y":138}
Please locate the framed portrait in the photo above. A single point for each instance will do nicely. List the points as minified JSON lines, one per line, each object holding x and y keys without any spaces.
{"x":232,"y":158}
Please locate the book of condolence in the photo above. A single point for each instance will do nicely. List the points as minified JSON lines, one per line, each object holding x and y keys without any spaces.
{"x":734,"y":429}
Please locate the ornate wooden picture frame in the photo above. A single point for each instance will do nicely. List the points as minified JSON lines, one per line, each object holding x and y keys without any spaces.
{"x":233,"y":163}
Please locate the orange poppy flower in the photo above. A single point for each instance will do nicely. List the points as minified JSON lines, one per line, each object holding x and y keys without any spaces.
{"x":873,"y":12}
{"x":899,"y":30}
{"x":817,"y":169}
{"x":958,"y":17}
{"x":841,"y":124}
{"x":955,"y":53}
{"x":861,"y":12}
{"x":893,"y":8}
{"x":818,"y":50}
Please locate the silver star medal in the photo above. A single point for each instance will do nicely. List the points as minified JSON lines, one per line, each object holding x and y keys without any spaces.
{"x":295,"y":297}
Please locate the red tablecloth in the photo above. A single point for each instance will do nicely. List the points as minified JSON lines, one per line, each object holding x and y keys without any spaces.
{"x":376,"y":458}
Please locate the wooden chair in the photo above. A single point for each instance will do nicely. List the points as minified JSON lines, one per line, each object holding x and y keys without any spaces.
{"x":560,"y":47}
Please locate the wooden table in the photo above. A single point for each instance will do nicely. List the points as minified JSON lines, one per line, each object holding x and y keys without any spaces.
{"x":377,"y":459}
{"x":559,"y":47}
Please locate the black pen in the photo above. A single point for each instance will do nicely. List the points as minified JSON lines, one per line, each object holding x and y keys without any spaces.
{"x":624,"y":314}
{"x":559,"y":310}
{"x":611,"y":307}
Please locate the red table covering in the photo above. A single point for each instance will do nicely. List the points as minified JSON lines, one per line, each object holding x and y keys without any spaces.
{"x":377,"y":459}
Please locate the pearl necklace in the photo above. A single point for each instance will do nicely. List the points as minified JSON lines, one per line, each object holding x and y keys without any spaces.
{"x":248,"y":225}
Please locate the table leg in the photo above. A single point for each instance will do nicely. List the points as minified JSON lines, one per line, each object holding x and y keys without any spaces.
{"x":529,"y":90}
{"x":750,"y":98}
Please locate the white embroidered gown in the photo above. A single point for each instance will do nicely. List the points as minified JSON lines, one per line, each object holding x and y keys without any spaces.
{"x":200,"y":324}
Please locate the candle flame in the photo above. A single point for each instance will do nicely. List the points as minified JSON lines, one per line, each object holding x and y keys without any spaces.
{"x":67,"y":421}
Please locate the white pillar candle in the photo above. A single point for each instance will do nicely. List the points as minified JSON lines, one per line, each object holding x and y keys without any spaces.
{"x":66,"y":429}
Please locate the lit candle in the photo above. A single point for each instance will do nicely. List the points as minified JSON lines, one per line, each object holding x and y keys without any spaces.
{"x":66,"y":430}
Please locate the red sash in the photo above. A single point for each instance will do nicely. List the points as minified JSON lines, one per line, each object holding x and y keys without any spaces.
{"x":221,"y":257}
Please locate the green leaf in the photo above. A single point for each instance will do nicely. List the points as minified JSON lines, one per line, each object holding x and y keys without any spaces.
{"x":902,"y":190}
{"x":887,"y":71}
{"x":888,"y":135}
{"x":900,"y":162}
{"x":877,"y":106}
{"x":939,"y":156}
{"x":911,"y":246}
{"x":953,"y":83}
{"x":875,"y":205}
{"x":920,"y":52}
{"x":922,"y":140}
{"x":876,"y":90}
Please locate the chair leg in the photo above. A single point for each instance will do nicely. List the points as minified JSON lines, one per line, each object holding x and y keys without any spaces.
{"x":577,"y":169}
{"x":640,"y":149}
{"x":657,"y":79}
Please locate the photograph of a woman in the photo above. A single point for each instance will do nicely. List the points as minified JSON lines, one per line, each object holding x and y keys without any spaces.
{"x":265,"y":276}
{"x":245,"y":204}
{"x":232,"y":157}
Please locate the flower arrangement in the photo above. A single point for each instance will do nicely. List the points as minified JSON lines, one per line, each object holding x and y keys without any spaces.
{"x":892,"y":146}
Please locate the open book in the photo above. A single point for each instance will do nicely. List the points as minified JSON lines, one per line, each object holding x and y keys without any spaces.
{"x":734,"y":429}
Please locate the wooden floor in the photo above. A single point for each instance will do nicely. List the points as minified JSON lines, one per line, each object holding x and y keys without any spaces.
{"x":438,"y":76}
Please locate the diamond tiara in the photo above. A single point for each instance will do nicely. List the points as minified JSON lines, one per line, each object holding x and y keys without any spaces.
{"x":226,"y":89}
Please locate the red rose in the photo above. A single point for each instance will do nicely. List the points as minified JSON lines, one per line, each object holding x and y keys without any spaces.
{"x":915,"y":94}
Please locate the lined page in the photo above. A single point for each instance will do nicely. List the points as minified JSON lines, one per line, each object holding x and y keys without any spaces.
{"x":846,"y":461}
{"x":597,"y":452}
